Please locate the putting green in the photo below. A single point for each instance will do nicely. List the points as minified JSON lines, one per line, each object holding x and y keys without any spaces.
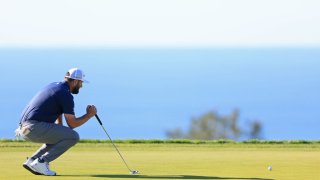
{"x":170,"y":161}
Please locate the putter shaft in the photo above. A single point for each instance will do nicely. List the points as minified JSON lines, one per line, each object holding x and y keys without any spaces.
{"x":114,"y":144}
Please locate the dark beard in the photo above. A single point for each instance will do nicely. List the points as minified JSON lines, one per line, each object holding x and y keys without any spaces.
{"x":75,"y":90}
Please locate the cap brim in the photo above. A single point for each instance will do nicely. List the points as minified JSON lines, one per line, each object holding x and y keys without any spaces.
{"x":83,"y":80}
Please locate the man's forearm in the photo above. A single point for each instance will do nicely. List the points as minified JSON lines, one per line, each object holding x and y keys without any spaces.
{"x":83,"y":119}
{"x":76,"y":122}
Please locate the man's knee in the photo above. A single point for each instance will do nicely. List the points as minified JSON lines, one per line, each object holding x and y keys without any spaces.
{"x":75,"y":137}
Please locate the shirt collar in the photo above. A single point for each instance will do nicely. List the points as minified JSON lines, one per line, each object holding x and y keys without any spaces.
{"x":66,"y":85}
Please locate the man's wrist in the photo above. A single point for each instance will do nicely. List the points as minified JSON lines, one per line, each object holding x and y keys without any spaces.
{"x":90,"y":115}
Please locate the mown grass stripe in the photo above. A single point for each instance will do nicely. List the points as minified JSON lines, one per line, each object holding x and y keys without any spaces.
{"x":186,"y":141}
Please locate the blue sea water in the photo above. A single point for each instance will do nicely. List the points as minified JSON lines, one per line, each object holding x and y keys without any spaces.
{"x":141,"y":93}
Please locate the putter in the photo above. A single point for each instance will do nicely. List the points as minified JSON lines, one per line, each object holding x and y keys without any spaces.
{"x":131,"y":171}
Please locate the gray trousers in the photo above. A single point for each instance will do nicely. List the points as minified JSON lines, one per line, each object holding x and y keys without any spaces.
{"x":57,"y":139}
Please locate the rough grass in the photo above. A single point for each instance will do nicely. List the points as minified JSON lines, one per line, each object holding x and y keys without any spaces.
{"x":170,"y":159}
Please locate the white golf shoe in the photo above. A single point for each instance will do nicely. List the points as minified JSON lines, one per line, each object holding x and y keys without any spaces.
{"x":27,"y":165}
{"x":42,"y":167}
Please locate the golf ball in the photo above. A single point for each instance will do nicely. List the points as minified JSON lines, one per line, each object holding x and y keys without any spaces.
{"x":134,"y":172}
{"x":270,"y":168}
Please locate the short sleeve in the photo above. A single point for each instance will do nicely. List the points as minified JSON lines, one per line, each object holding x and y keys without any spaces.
{"x":67,"y":104}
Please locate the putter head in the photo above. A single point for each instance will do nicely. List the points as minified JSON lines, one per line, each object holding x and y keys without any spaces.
{"x":134,"y":172}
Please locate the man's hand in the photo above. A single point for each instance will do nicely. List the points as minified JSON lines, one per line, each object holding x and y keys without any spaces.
{"x":91,"y":110}
{"x":59,"y":120}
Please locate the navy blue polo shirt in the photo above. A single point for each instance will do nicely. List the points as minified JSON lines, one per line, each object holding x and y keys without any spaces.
{"x":49,"y":103}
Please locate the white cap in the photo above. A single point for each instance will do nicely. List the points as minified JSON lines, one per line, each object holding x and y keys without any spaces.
{"x":75,"y":73}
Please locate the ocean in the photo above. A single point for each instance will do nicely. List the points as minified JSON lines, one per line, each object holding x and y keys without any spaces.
{"x":141,"y":93}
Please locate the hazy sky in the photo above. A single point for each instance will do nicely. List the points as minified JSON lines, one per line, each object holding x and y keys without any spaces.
{"x":168,"y":23}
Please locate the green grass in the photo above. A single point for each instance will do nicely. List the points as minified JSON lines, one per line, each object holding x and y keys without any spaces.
{"x":179,"y":159}
{"x":187,"y":141}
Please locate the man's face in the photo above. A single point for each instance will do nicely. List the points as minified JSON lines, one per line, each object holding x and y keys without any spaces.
{"x":77,"y":86}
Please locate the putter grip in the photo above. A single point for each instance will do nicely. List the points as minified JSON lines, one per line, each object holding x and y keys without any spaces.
{"x":98,"y":119}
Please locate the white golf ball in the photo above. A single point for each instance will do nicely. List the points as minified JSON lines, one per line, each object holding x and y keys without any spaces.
{"x":134,"y":172}
{"x":270,"y":168}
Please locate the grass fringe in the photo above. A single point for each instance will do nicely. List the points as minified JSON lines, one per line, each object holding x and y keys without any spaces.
{"x":186,"y":141}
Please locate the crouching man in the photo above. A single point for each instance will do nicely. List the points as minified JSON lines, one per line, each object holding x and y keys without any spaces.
{"x":41,"y":121}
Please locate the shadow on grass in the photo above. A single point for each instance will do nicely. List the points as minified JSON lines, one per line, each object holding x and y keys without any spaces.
{"x":113,"y":176}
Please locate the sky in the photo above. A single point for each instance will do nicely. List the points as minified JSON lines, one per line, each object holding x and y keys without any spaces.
{"x":159,"y":23}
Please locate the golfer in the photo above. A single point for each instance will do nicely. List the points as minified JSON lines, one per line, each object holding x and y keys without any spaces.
{"x":41,"y":121}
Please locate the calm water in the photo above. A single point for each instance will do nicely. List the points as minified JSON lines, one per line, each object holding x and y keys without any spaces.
{"x":141,"y":93}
